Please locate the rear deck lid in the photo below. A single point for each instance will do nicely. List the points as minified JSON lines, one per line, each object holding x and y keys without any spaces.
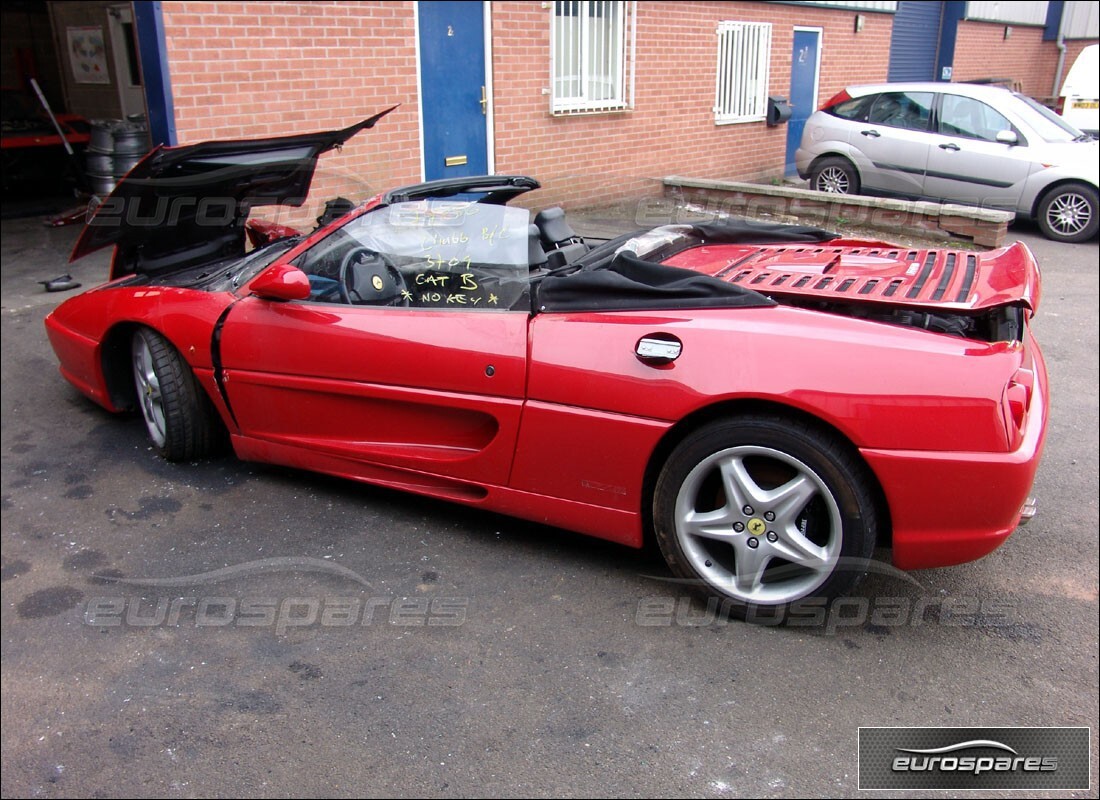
{"x":867,"y":272}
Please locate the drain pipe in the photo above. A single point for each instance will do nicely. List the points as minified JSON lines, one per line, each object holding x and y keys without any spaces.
{"x":1056,"y":92}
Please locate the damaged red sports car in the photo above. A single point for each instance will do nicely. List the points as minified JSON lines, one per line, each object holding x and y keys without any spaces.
{"x":769,"y":403}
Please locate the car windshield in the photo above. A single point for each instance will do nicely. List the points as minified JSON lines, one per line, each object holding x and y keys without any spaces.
{"x":448,"y":253}
{"x":1046,"y":123}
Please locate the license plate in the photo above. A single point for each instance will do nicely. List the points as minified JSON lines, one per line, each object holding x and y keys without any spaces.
{"x":1086,"y":104}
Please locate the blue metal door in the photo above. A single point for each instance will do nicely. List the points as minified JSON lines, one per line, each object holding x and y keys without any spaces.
{"x":453,"y":87}
{"x":805,"y":56}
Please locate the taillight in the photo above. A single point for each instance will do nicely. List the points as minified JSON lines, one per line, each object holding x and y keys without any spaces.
{"x":840,"y":97}
{"x":1060,"y":105}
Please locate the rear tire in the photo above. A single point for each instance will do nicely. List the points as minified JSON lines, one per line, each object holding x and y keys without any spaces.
{"x":179,"y":417}
{"x":834,"y":175}
{"x":1070,"y":213}
{"x":762,"y":512}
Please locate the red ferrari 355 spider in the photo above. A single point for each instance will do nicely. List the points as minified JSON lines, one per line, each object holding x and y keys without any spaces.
{"x":769,"y":403}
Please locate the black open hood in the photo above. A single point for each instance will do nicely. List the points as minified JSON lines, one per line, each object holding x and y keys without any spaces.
{"x":182,"y":206}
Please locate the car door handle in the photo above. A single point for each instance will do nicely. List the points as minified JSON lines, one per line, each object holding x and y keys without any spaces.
{"x":871,"y":132}
{"x":658,"y":349}
{"x":950,"y":146}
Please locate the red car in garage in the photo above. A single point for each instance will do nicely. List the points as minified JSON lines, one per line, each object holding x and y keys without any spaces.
{"x":769,"y":403}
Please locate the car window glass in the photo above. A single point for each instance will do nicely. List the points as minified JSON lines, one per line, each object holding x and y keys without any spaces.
{"x":852,"y":109}
{"x":447,"y":254}
{"x":908,"y":110}
{"x":970,"y":118}
{"x":1049,"y":126}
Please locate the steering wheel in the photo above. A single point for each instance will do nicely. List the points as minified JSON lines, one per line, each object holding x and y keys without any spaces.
{"x":367,"y":277}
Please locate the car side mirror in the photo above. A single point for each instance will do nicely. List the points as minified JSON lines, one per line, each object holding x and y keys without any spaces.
{"x":281,"y":282}
{"x":1007,"y":137}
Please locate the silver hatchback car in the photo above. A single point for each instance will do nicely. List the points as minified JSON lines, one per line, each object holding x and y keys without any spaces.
{"x":962,"y":143}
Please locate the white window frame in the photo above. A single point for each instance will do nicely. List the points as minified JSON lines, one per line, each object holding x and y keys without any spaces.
{"x":744,"y":69}
{"x":615,"y":48}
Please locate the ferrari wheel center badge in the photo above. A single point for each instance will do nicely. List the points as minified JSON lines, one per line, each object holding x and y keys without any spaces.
{"x":756,"y":526}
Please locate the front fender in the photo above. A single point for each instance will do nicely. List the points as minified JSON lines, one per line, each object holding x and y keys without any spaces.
{"x":82,"y":329}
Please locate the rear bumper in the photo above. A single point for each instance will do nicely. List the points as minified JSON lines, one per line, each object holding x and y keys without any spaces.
{"x":802,"y":161}
{"x":950,"y":508}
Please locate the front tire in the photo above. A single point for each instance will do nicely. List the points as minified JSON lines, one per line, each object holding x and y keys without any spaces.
{"x":834,"y":175}
{"x":181,"y":421}
{"x":1070,"y":213}
{"x":761,"y":512}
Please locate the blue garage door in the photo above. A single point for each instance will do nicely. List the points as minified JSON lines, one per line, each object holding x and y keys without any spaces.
{"x":914,"y":41}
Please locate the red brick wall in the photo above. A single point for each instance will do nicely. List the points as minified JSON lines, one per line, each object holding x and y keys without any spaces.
{"x":249,"y":69}
{"x":602,"y":158}
{"x":981,"y":51}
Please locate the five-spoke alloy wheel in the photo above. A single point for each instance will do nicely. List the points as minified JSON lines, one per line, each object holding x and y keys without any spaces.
{"x":763,"y":511}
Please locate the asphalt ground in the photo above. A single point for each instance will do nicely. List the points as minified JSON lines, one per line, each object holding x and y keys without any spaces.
{"x":226,"y":629}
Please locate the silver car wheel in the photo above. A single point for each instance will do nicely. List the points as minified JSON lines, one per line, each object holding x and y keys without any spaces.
{"x":150,"y":397}
{"x":766,"y":546}
{"x":833,"y":180}
{"x":1069,"y":214}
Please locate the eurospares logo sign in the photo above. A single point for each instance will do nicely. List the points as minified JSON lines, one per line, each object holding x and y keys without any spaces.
{"x":974,"y":758}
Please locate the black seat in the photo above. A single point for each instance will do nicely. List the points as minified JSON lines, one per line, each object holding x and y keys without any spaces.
{"x":554,"y":230}
{"x":536,"y":256}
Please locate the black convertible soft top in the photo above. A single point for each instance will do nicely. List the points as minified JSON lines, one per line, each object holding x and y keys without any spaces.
{"x":629,"y":283}
{"x":750,"y":231}
{"x":611,"y":278}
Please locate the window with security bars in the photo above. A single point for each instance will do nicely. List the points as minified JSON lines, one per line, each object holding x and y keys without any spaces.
{"x":591,"y":52}
{"x":744,"y":51}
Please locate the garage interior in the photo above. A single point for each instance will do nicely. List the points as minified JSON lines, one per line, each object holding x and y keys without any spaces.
{"x":73,"y":102}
